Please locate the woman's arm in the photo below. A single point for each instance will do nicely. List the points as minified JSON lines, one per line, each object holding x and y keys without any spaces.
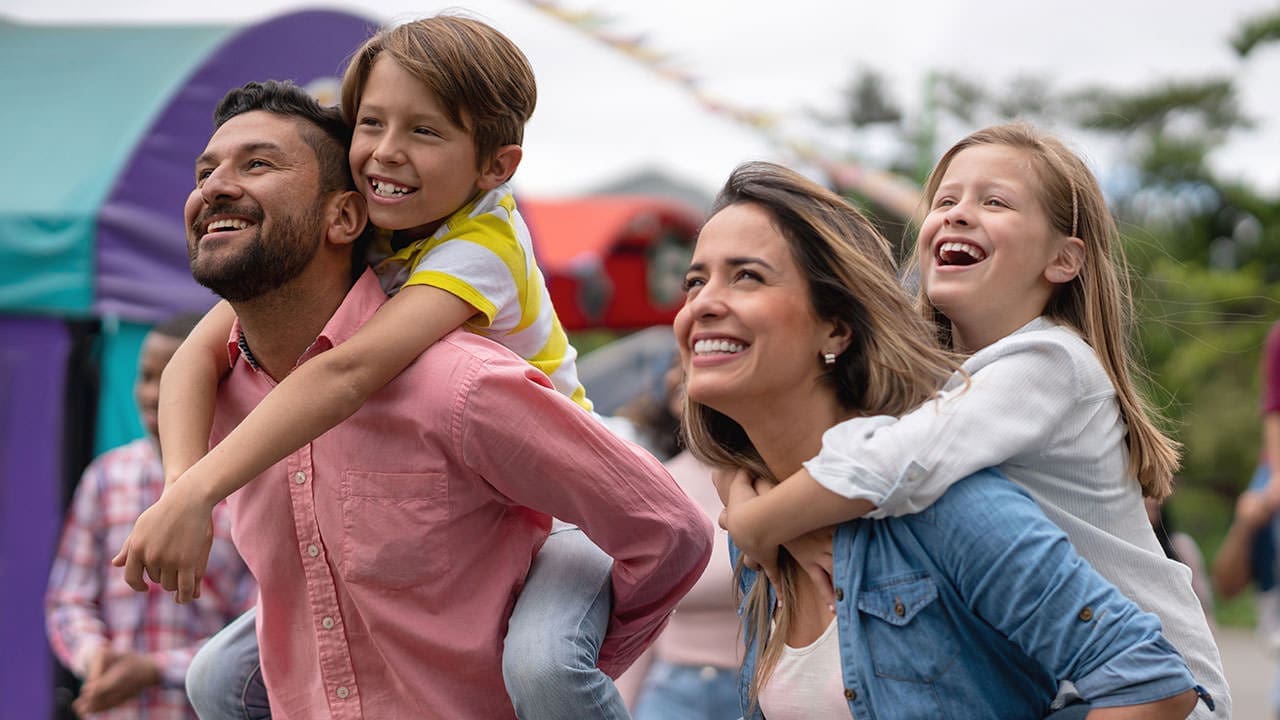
{"x":171,"y":539}
{"x":1020,"y":574}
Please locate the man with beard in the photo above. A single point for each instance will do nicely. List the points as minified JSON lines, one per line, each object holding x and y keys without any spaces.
{"x":389,"y":551}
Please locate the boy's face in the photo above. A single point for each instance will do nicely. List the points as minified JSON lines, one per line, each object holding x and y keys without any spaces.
{"x":157,"y":350}
{"x":409,"y":160}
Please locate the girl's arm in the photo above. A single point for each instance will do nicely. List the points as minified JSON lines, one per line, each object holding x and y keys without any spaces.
{"x":188,"y":387}
{"x":315,"y":397}
{"x":883,"y":466}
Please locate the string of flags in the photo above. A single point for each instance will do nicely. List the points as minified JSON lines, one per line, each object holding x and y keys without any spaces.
{"x":888,"y":190}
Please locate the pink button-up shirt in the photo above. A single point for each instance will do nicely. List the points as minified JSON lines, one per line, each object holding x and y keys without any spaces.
{"x":389,"y":551}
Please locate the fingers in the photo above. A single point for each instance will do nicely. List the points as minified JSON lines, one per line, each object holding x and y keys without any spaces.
{"x":187,"y":587}
{"x":723,"y":520}
{"x":822,"y":581}
{"x":122,"y":556}
{"x":168,"y":578}
{"x":133,"y":573}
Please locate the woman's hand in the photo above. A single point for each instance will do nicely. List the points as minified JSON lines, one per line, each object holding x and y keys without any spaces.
{"x":812,"y":552}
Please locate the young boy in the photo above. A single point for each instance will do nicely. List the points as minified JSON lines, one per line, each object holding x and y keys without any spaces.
{"x":438,"y":107}
{"x":132,"y":650}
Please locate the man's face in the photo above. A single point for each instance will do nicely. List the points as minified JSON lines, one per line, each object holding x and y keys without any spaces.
{"x":256,"y":216}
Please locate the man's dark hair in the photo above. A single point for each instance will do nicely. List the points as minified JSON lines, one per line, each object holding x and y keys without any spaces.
{"x":321,"y":127}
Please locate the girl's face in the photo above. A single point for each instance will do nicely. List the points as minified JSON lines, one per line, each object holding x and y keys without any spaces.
{"x":747,"y":331}
{"x":413,"y":165}
{"x":989,"y":258}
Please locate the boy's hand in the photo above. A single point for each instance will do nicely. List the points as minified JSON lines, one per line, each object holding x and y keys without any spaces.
{"x":1271,"y":494}
{"x":170,"y":542}
{"x":812,"y":551}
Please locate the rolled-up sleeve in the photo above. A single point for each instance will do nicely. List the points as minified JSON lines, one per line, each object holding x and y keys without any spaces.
{"x":541,"y":451}
{"x":1022,"y":575}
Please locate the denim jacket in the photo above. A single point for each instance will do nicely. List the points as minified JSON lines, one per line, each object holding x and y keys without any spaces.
{"x":976,"y":607}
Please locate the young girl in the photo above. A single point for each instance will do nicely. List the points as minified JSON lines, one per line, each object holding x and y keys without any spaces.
{"x":1016,"y":269}
{"x":438,"y":108}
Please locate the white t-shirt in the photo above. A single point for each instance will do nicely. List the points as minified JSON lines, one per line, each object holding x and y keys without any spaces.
{"x":806,"y":683}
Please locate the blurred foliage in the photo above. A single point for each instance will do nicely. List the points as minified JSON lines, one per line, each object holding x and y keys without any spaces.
{"x":1204,"y":251}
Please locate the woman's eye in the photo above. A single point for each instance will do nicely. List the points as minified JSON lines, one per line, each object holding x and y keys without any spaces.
{"x":691,"y":283}
{"x":748,"y":275}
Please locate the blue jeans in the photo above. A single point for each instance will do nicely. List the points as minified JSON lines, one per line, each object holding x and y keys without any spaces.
{"x":224,"y":680}
{"x":688,"y":692}
{"x":548,"y":663}
{"x":554,"y":636}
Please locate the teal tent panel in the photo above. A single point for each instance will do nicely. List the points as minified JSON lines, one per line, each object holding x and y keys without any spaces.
{"x":46,"y":263}
{"x":79,"y":100}
{"x":118,"y":421}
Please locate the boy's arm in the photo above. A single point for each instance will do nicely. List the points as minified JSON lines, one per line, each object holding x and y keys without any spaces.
{"x":188,"y":387}
{"x":1233,"y":565}
{"x":316,"y":396}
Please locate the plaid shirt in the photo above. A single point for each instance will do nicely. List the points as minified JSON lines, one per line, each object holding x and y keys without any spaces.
{"x":88,"y":603}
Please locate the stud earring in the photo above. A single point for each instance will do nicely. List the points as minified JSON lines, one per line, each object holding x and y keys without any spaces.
{"x":829,"y":358}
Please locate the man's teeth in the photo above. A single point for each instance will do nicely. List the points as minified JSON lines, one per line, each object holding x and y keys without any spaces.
{"x":383,"y":188}
{"x":229,"y":224}
{"x":703,"y":347}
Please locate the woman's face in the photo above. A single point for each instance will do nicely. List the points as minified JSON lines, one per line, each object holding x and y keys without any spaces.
{"x":747,"y":331}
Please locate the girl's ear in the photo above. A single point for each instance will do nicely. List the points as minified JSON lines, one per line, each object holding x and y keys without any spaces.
{"x":347,"y":217}
{"x":1066,"y":264}
{"x":501,"y":167}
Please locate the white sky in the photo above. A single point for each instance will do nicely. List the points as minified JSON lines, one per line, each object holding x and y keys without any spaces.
{"x":601,"y":115}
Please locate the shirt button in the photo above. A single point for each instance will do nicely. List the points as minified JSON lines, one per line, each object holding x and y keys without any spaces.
{"x":312,"y":550}
{"x":299,"y":477}
{"x":342,"y":692}
{"x":898,"y":608}
{"x":850,"y":694}
{"x":707,"y":673}
{"x":1086,"y":614}
{"x":839,"y":594}
{"x":327,"y":622}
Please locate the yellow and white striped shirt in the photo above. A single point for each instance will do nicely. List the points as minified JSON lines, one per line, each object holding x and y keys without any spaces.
{"x":483,"y":254}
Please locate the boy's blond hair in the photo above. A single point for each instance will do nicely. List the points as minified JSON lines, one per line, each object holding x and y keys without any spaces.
{"x":1098,"y":302}
{"x":480,"y":77}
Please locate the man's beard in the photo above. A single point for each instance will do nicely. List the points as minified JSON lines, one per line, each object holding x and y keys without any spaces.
{"x":262,"y":266}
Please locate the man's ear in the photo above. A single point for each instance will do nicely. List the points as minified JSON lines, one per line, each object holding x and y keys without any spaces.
{"x":346,"y":217}
{"x":1066,"y":264}
{"x":501,"y":167}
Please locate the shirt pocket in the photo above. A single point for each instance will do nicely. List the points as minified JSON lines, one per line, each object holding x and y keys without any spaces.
{"x":908,"y":631}
{"x":391,"y":525}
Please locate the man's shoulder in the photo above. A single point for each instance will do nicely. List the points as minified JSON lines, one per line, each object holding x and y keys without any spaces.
{"x":461,"y":348}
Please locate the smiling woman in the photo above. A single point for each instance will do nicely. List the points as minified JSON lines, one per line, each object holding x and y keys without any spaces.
{"x":794,"y":322}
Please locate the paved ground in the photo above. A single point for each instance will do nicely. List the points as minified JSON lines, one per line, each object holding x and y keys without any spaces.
{"x":1249,"y":670}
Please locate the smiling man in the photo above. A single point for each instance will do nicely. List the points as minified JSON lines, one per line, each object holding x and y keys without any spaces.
{"x":390,"y":550}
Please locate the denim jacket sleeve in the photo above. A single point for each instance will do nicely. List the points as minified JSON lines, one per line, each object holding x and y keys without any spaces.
{"x":1019,"y":573}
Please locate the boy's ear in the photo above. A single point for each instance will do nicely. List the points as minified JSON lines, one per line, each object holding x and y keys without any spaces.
{"x":347,"y":215}
{"x":501,"y":167}
{"x":1066,"y":265}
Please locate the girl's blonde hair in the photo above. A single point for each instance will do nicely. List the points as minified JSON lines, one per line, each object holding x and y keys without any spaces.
{"x":1098,"y":303}
{"x":891,"y":366}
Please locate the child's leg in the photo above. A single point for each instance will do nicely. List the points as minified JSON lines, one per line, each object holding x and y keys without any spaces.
{"x":554,"y":636}
{"x":224,"y":680}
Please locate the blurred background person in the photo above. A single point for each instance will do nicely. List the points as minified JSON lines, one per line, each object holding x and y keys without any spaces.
{"x":129,"y":649}
{"x":691,"y":671}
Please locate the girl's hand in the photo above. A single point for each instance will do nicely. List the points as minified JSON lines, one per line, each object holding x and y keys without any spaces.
{"x":739,"y":488}
{"x":812,"y":551}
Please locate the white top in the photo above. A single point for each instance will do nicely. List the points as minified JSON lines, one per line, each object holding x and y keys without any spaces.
{"x":806,"y":682}
{"x":1038,"y":405}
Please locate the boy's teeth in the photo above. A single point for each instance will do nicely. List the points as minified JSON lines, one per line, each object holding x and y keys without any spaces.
{"x":702,"y":347}
{"x":388,"y":189}
{"x":230,"y":224}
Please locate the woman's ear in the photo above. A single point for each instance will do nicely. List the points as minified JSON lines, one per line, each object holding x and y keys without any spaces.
{"x":348,"y":215}
{"x":838,"y":340}
{"x":501,"y":167}
{"x":1066,"y":264}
